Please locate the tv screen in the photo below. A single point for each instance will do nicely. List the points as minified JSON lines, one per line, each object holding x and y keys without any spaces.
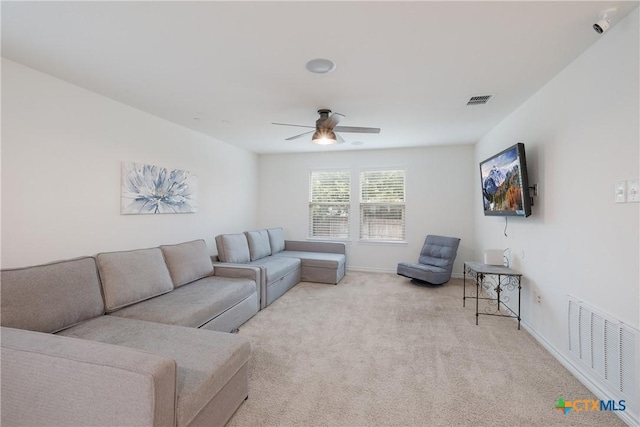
{"x":505,"y":185}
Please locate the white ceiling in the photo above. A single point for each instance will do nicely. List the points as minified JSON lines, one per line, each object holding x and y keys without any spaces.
{"x":229,"y":69}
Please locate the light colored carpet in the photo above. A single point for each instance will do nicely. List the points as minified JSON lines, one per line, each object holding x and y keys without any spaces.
{"x":377,"y":350}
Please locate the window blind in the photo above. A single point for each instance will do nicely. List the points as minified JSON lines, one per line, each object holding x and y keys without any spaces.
{"x":382,"y":204}
{"x":329,"y":202}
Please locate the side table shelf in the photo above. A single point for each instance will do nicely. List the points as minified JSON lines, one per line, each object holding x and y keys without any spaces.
{"x":494,"y":278}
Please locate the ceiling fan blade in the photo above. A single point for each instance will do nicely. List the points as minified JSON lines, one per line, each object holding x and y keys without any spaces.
{"x":340,"y":139}
{"x":356,"y":129}
{"x":298,"y":136}
{"x":298,"y":126}
{"x":332,"y":121}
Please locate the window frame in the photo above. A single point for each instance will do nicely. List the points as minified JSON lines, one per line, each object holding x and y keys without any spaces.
{"x":363,"y":204}
{"x":312,"y":229}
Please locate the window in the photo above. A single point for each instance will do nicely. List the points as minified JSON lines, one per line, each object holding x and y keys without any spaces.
{"x":329,"y":199}
{"x":382,"y":204}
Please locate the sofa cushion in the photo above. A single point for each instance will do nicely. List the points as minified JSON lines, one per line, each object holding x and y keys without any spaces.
{"x":233,"y":248}
{"x":129,"y":277}
{"x":187,"y":262}
{"x":51,"y":297}
{"x":259,"y":246}
{"x":206,"y":360}
{"x":316,"y":259}
{"x":276,"y":239}
{"x":277,"y":267}
{"x":192,"y":305}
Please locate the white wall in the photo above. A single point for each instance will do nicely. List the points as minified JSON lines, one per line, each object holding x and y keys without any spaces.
{"x":439,"y":198}
{"x":62,"y":147}
{"x":581,"y":133}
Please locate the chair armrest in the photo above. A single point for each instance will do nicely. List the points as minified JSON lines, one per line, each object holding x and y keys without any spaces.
{"x":54,"y":380}
{"x":310,"y":246}
{"x":251,"y":272}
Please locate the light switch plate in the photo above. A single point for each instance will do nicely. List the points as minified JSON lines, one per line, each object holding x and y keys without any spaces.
{"x":620,"y":192}
{"x":633,"y":191}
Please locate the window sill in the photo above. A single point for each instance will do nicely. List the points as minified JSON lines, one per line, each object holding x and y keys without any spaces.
{"x":363,"y":241}
{"x":382,"y":242}
{"x":328,"y":239}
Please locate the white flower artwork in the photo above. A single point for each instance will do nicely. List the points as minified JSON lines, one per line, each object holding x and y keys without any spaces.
{"x":148,"y":189}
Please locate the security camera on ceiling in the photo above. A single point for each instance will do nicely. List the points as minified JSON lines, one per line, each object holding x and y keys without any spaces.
{"x":603,"y":22}
{"x":601,"y":26}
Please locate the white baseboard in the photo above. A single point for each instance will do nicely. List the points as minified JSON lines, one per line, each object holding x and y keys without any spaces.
{"x":370,"y":270}
{"x":386,"y":270}
{"x":591,"y":383}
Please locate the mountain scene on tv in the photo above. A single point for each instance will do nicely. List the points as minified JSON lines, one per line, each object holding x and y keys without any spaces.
{"x":501,"y":183}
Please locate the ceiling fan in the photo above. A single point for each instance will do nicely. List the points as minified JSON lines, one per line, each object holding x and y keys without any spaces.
{"x":326,"y":128}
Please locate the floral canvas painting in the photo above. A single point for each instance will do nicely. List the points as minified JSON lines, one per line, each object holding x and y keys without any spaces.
{"x":148,"y":189}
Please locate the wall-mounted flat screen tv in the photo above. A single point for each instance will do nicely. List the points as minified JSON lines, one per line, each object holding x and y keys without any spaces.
{"x":505,"y":184}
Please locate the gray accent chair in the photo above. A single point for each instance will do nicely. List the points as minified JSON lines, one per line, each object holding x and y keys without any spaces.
{"x":435,"y":263}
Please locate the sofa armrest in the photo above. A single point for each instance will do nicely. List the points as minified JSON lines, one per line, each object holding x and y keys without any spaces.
{"x":226,"y":269}
{"x":251,"y":272}
{"x":311,"y":246}
{"x":55,"y":380}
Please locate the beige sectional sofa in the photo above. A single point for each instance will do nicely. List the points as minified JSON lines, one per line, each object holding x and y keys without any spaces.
{"x":139,"y":338}
{"x":126,"y":338}
{"x":283,"y":263}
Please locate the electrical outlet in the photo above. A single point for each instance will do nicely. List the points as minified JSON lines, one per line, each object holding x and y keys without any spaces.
{"x":539,"y":299}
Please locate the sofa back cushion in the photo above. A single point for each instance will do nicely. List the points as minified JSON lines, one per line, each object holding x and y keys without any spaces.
{"x":129,"y":277}
{"x":233,"y":248}
{"x":259,"y":246}
{"x":51,"y":297}
{"x":276,"y":239}
{"x":187,"y":262}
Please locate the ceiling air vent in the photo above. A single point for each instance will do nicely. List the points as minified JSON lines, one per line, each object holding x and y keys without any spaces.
{"x":479,"y":99}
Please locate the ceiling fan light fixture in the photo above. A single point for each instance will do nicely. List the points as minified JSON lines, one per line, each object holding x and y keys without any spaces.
{"x":324,"y":137}
{"x":321,"y":66}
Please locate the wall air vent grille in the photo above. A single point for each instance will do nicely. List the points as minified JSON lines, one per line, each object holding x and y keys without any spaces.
{"x":608,"y":351}
{"x":479,"y":99}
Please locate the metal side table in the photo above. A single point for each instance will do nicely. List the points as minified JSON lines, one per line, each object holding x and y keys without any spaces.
{"x":494,"y":278}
